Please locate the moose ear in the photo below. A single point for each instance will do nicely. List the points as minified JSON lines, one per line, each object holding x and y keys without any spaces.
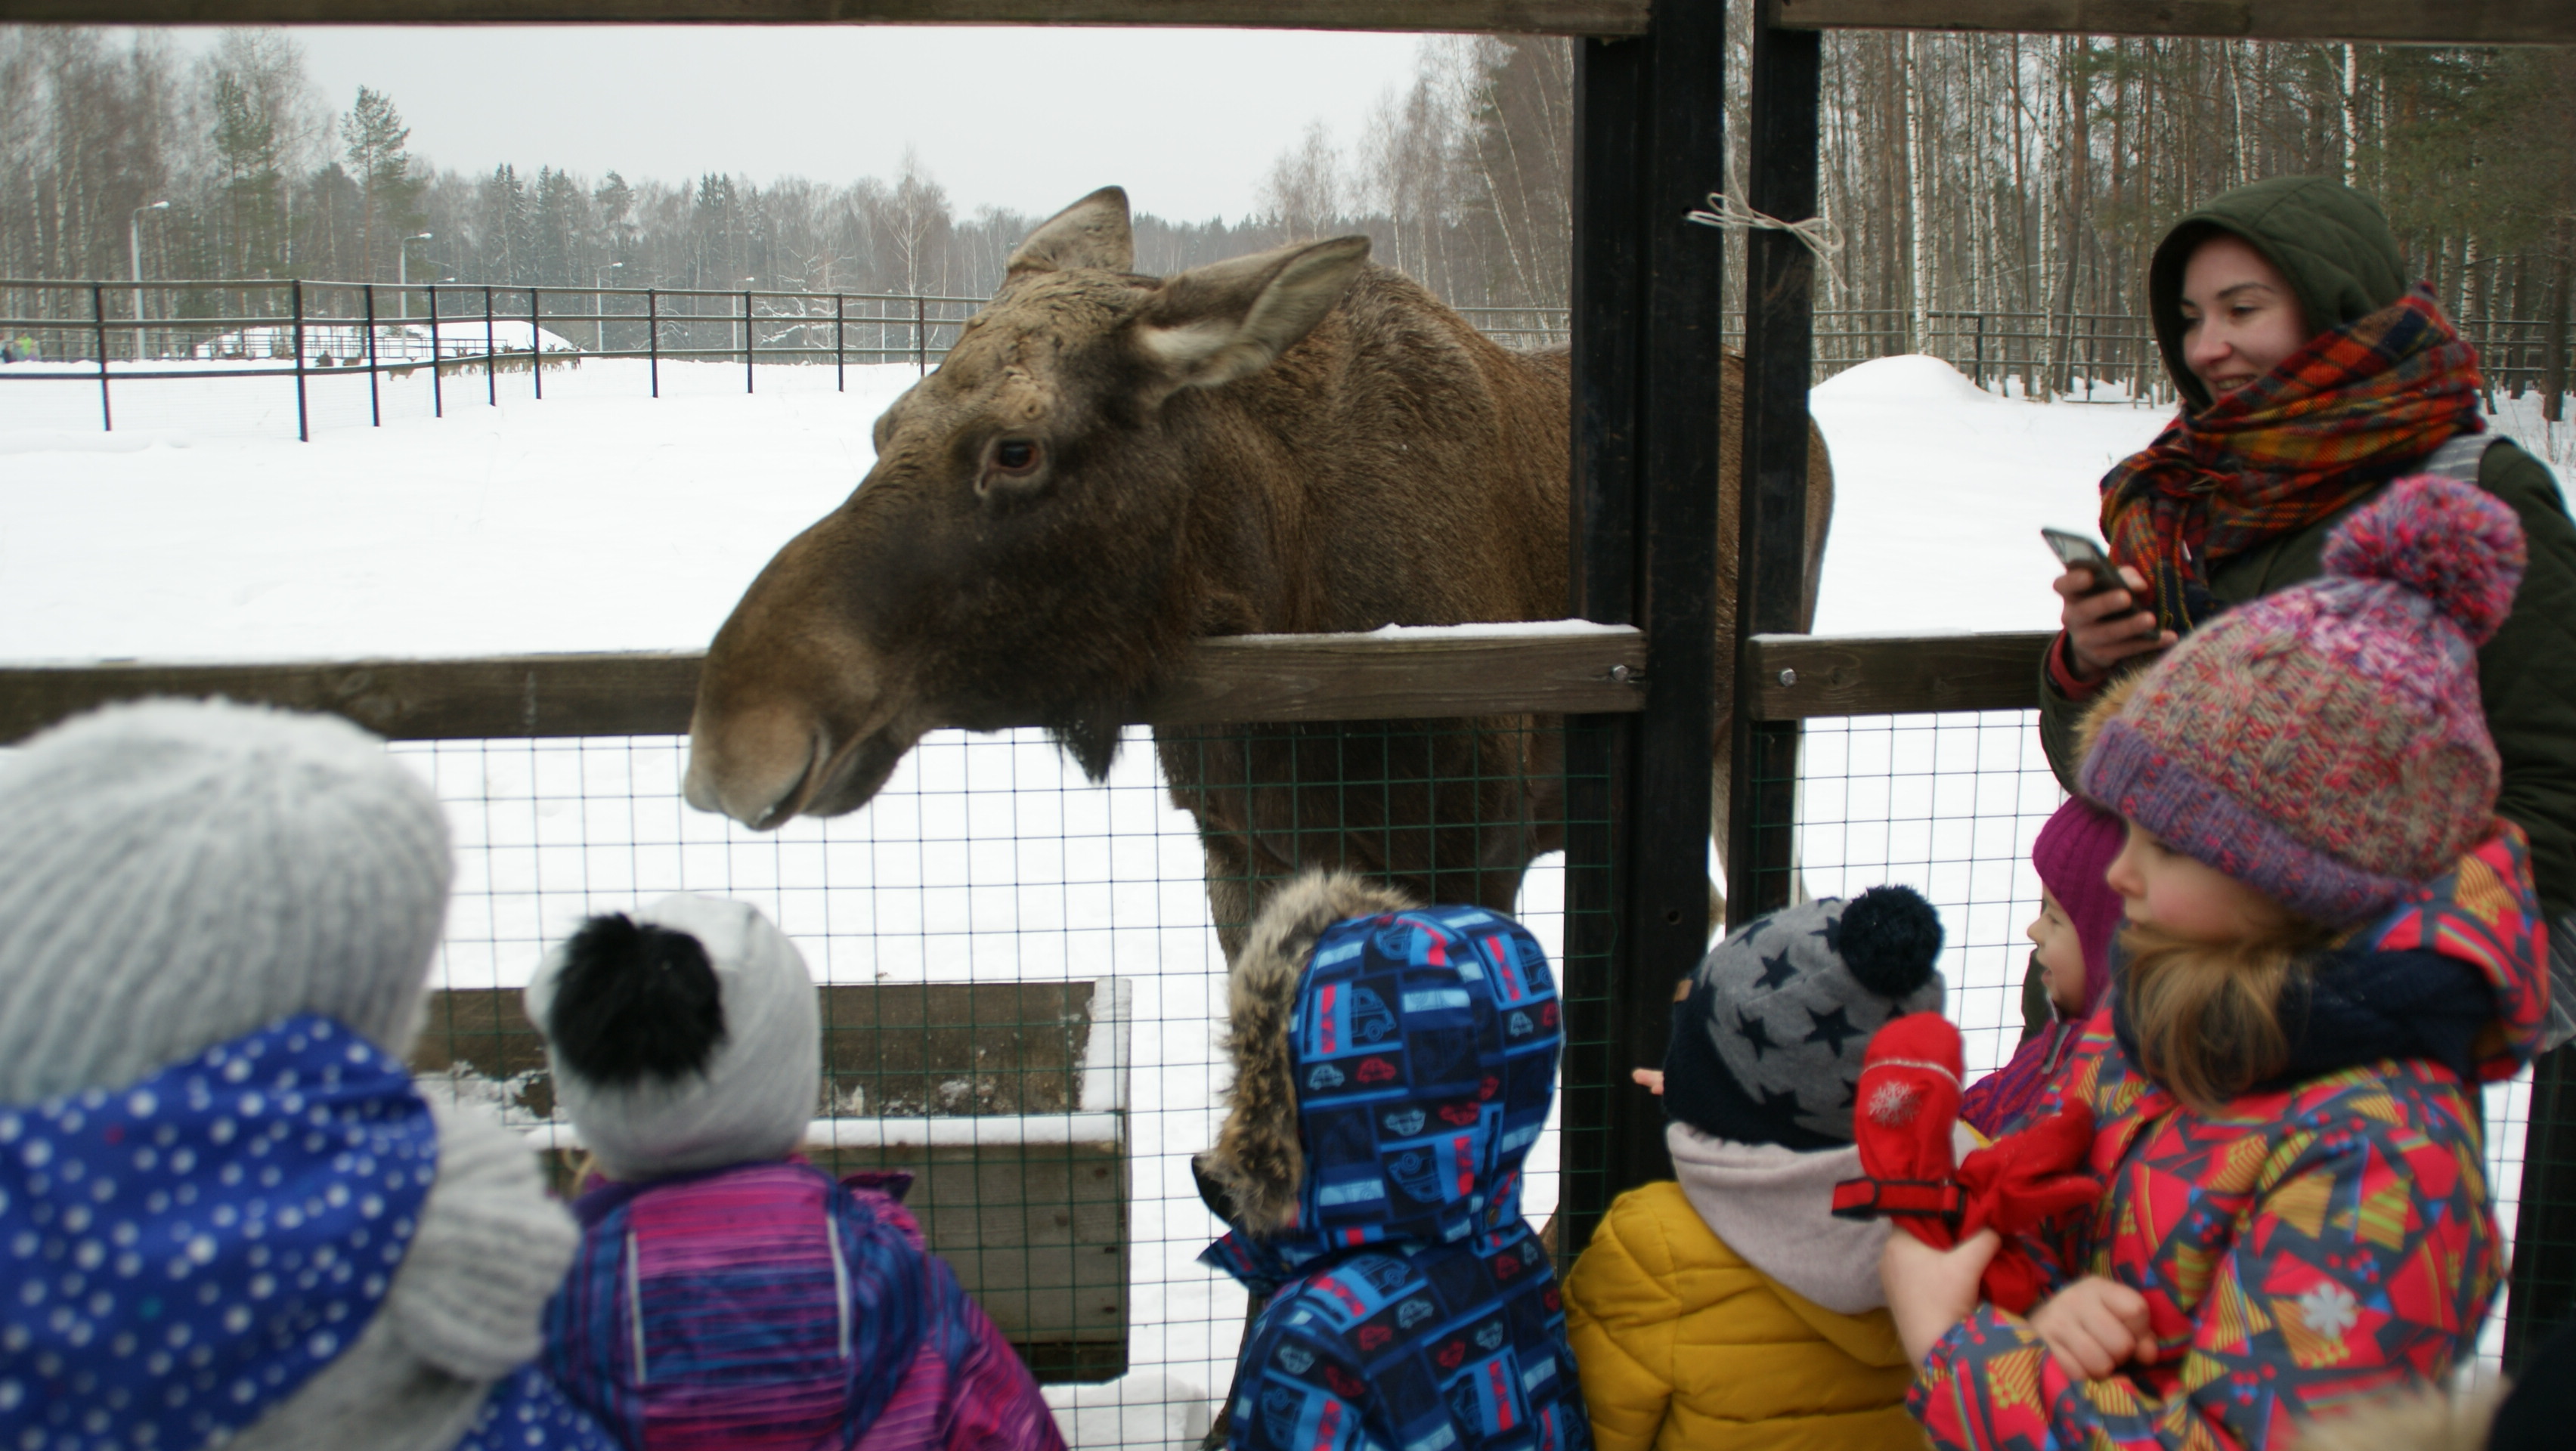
{"x":1092,"y":233}
{"x":1214,"y":324}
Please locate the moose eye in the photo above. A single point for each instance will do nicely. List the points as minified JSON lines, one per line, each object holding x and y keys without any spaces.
{"x":1015,"y":456}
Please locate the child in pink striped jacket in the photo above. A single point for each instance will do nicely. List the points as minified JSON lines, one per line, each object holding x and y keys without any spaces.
{"x":728,"y":1293}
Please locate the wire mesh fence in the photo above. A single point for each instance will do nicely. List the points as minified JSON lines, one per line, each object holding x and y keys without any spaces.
{"x":1021,"y":982}
{"x":1951,"y":804}
{"x":1021,"y":973}
{"x":1022,"y":976}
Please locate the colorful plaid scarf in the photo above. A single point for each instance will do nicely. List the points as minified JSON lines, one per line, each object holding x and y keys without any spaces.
{"x":2288,"y":449}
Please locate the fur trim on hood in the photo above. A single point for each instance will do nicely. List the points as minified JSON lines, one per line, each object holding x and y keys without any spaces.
{"x":2114,"y":697}
{"x":1257,"y":1161}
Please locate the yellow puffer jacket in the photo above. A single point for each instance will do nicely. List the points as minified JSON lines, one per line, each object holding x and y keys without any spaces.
{"x":1683,"y":1346}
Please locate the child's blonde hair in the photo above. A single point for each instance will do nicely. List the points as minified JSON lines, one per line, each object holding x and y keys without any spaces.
{"x":2207,"y":1016}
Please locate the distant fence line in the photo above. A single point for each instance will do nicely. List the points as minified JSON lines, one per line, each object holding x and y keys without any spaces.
{"x":259,"y":328}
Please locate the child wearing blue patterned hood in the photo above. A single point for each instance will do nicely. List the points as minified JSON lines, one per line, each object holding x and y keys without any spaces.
{"x":226,"y":1214}
{"x":1393,"y":1066}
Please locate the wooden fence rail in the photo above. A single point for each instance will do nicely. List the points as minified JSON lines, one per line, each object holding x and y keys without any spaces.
{"x":1558,"y":670}
{"x":1801,"y":677}
{"x":1565,"y":668}
{"x":2395,"y":22}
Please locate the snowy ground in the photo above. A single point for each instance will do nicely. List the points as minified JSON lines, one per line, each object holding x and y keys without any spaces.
{"x":600,"y":519}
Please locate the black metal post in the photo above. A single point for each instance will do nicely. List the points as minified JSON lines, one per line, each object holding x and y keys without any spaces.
{"x":1651,"y":142}
{"x":840,"y":342}
{"x":1981,"y":348}
{"x":536,"y":355}
{"x":653,"y":336}
{"x":2544,"y":1240}
{"x":491,"y":382}
{"x":98,"y":319}
{"x":375,"y":404}
{"x":1679,"y":458}
{"x":920,"y":338}
{"x":1610,"y":90}
{"x":746,"y":340}
{"x":303,"y":415}
{"x":437,"y":399}
{"x":1773,"y":594}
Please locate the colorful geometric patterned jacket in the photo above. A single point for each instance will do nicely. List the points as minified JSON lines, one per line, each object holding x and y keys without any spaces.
{"x":767,"y":1306}
{"x":2306,"y":1248}
{"x":1393,"y":1067}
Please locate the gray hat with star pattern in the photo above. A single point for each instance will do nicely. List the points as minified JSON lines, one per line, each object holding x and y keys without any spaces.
{"x":1767,"y":1042}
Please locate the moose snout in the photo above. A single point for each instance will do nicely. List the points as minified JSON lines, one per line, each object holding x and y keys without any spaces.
{"x":752,"y":767}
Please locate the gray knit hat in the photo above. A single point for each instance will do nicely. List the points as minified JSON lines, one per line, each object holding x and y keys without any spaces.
{"x":1767,"y":1041}
{"x":174,"y":874}
{"x":685,"y":1037}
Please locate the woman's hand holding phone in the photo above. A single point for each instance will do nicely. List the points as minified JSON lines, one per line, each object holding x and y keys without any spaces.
{"x":2103,"y":623}
{"x":2105,"y":626}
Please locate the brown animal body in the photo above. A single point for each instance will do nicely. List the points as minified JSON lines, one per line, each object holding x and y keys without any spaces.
{"x":1108,"y":466}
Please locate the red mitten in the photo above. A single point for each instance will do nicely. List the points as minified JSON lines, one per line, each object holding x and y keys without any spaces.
{"x":1907,"y":1105}
{"x":1907,"y":1102}
{"x":2019,"y":1183}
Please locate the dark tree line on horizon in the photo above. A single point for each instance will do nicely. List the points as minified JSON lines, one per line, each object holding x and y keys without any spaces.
{"x":1999,"y":174}
{"x":262,"y":179}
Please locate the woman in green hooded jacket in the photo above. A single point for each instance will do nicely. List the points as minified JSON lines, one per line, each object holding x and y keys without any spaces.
{"x":2311,"y":377}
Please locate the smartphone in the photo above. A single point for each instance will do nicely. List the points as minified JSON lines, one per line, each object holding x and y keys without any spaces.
{"x":2078,"y":551}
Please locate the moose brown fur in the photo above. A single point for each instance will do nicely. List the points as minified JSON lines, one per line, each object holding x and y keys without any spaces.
{"x":1108,"y":466}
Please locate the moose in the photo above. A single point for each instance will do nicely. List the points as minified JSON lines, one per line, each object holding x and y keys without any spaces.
{"x":1109,"y":466}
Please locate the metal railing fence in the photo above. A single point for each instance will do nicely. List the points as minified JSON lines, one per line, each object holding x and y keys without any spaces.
{"x":463,"y":335}
{"x":110,"y":333}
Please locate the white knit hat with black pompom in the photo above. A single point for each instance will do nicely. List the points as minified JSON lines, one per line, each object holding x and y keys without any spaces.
{"x":685,"y":1037}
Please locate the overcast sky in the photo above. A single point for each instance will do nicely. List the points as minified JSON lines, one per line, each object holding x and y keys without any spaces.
{"x":1027,"y":118}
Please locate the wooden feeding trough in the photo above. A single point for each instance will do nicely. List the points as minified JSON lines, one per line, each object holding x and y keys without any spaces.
{"x":1006,"y":1102}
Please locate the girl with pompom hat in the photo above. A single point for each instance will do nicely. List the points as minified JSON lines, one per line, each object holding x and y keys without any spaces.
{"x":2332,"y":942}
{"x":727,"y":1293}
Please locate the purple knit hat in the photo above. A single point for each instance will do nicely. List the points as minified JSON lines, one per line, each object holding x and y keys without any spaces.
{"x":2072,"y":856}
{"x":2326,"y":745}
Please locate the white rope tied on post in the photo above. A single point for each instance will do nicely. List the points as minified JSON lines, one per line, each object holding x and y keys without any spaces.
{"x":1729,"y":215}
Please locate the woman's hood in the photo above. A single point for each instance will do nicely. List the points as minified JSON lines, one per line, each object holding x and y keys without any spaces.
{"x":1393,"y":1065}
{"x":2333,"y":244}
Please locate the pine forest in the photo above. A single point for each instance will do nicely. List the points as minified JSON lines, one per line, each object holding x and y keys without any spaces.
{"x":2023,"y":180}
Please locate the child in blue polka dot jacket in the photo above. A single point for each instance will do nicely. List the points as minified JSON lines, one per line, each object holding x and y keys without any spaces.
{"x":227,"y":1215}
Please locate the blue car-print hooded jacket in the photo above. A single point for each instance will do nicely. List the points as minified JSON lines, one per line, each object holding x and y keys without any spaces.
{"x":1393,"y":1065}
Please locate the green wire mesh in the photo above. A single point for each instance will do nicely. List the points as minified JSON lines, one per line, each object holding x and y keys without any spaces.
{"x":1021,"y":971}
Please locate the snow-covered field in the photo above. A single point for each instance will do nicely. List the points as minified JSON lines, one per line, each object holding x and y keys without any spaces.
{"x":600,"y":519}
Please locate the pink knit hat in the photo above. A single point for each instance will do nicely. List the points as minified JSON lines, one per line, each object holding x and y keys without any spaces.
{"x":2326,"y":744}
{"x":2072,"y":856}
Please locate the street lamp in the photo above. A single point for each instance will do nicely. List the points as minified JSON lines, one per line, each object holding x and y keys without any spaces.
{"x":134,"y":256}
{"x":598,"y":280}
{"x":402,"y":271}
